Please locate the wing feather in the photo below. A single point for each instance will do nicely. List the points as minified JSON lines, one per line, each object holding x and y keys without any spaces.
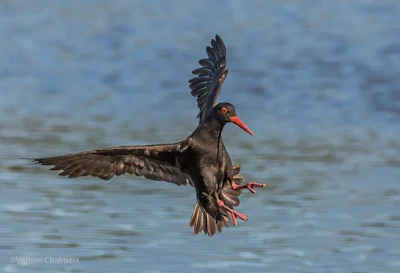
{"x":156,"y":162}
{"x":210,"y":77}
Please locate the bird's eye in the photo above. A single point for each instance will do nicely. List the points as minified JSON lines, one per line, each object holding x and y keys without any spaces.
{"x":224,"y":110}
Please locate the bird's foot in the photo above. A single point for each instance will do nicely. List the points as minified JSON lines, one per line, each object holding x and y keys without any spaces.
{"x":233,"y":212}
{"x":249,"y":186}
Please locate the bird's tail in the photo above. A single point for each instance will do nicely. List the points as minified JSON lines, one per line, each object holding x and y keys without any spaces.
{"x":202,"y":221}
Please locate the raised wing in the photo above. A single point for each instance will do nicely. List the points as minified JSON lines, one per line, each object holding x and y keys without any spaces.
{"x":156,"y":162}
{"x":210,"y":77}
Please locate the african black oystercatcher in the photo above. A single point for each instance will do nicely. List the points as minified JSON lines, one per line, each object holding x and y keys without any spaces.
{"x":200,"y":160}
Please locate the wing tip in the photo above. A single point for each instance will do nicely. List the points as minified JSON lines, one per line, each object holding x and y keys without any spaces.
{"x":218,"y":39}
{"x":30,"y":159}
{"x":212,"y":72}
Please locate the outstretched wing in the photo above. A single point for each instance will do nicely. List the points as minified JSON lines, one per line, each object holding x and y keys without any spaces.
{"x":210,"y":77}
{"x":156,"y":162}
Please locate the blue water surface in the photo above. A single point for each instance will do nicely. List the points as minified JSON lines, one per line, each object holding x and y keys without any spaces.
{"x":317,"y":82}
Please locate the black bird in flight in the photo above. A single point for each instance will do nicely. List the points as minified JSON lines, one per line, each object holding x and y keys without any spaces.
{"x":200,"y":160}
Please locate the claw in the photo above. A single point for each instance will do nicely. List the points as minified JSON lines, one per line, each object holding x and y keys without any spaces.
{"x":233,"y":212}
{"x":249,"y":186}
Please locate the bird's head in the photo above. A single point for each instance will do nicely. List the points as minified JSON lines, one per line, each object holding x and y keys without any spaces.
{"x":226,"y":112}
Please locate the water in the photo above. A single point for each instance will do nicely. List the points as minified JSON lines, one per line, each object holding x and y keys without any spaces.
{"x":317,"y":82}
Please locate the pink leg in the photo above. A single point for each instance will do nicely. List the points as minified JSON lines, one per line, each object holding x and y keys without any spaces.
{"x":233,"y":212}
{"x":248,"y":186}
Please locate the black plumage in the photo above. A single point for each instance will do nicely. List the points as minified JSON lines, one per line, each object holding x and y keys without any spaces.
{"x":210,"y":77}
{"x":200,"y":160}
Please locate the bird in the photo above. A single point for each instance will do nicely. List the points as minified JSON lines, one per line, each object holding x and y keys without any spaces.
{"x":206,"y":87}
{"x":200,"y":160}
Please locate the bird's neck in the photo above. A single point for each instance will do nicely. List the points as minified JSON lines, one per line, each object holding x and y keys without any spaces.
{"x":213,"y":127}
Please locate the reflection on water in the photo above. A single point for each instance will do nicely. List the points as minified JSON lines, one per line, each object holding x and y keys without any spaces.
{"x":316,"y":82}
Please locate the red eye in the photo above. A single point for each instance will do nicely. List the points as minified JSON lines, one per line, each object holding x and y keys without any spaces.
{"x":223,"y":110}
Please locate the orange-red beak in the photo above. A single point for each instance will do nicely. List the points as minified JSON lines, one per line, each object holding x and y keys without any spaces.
{"x":240,"y":123}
